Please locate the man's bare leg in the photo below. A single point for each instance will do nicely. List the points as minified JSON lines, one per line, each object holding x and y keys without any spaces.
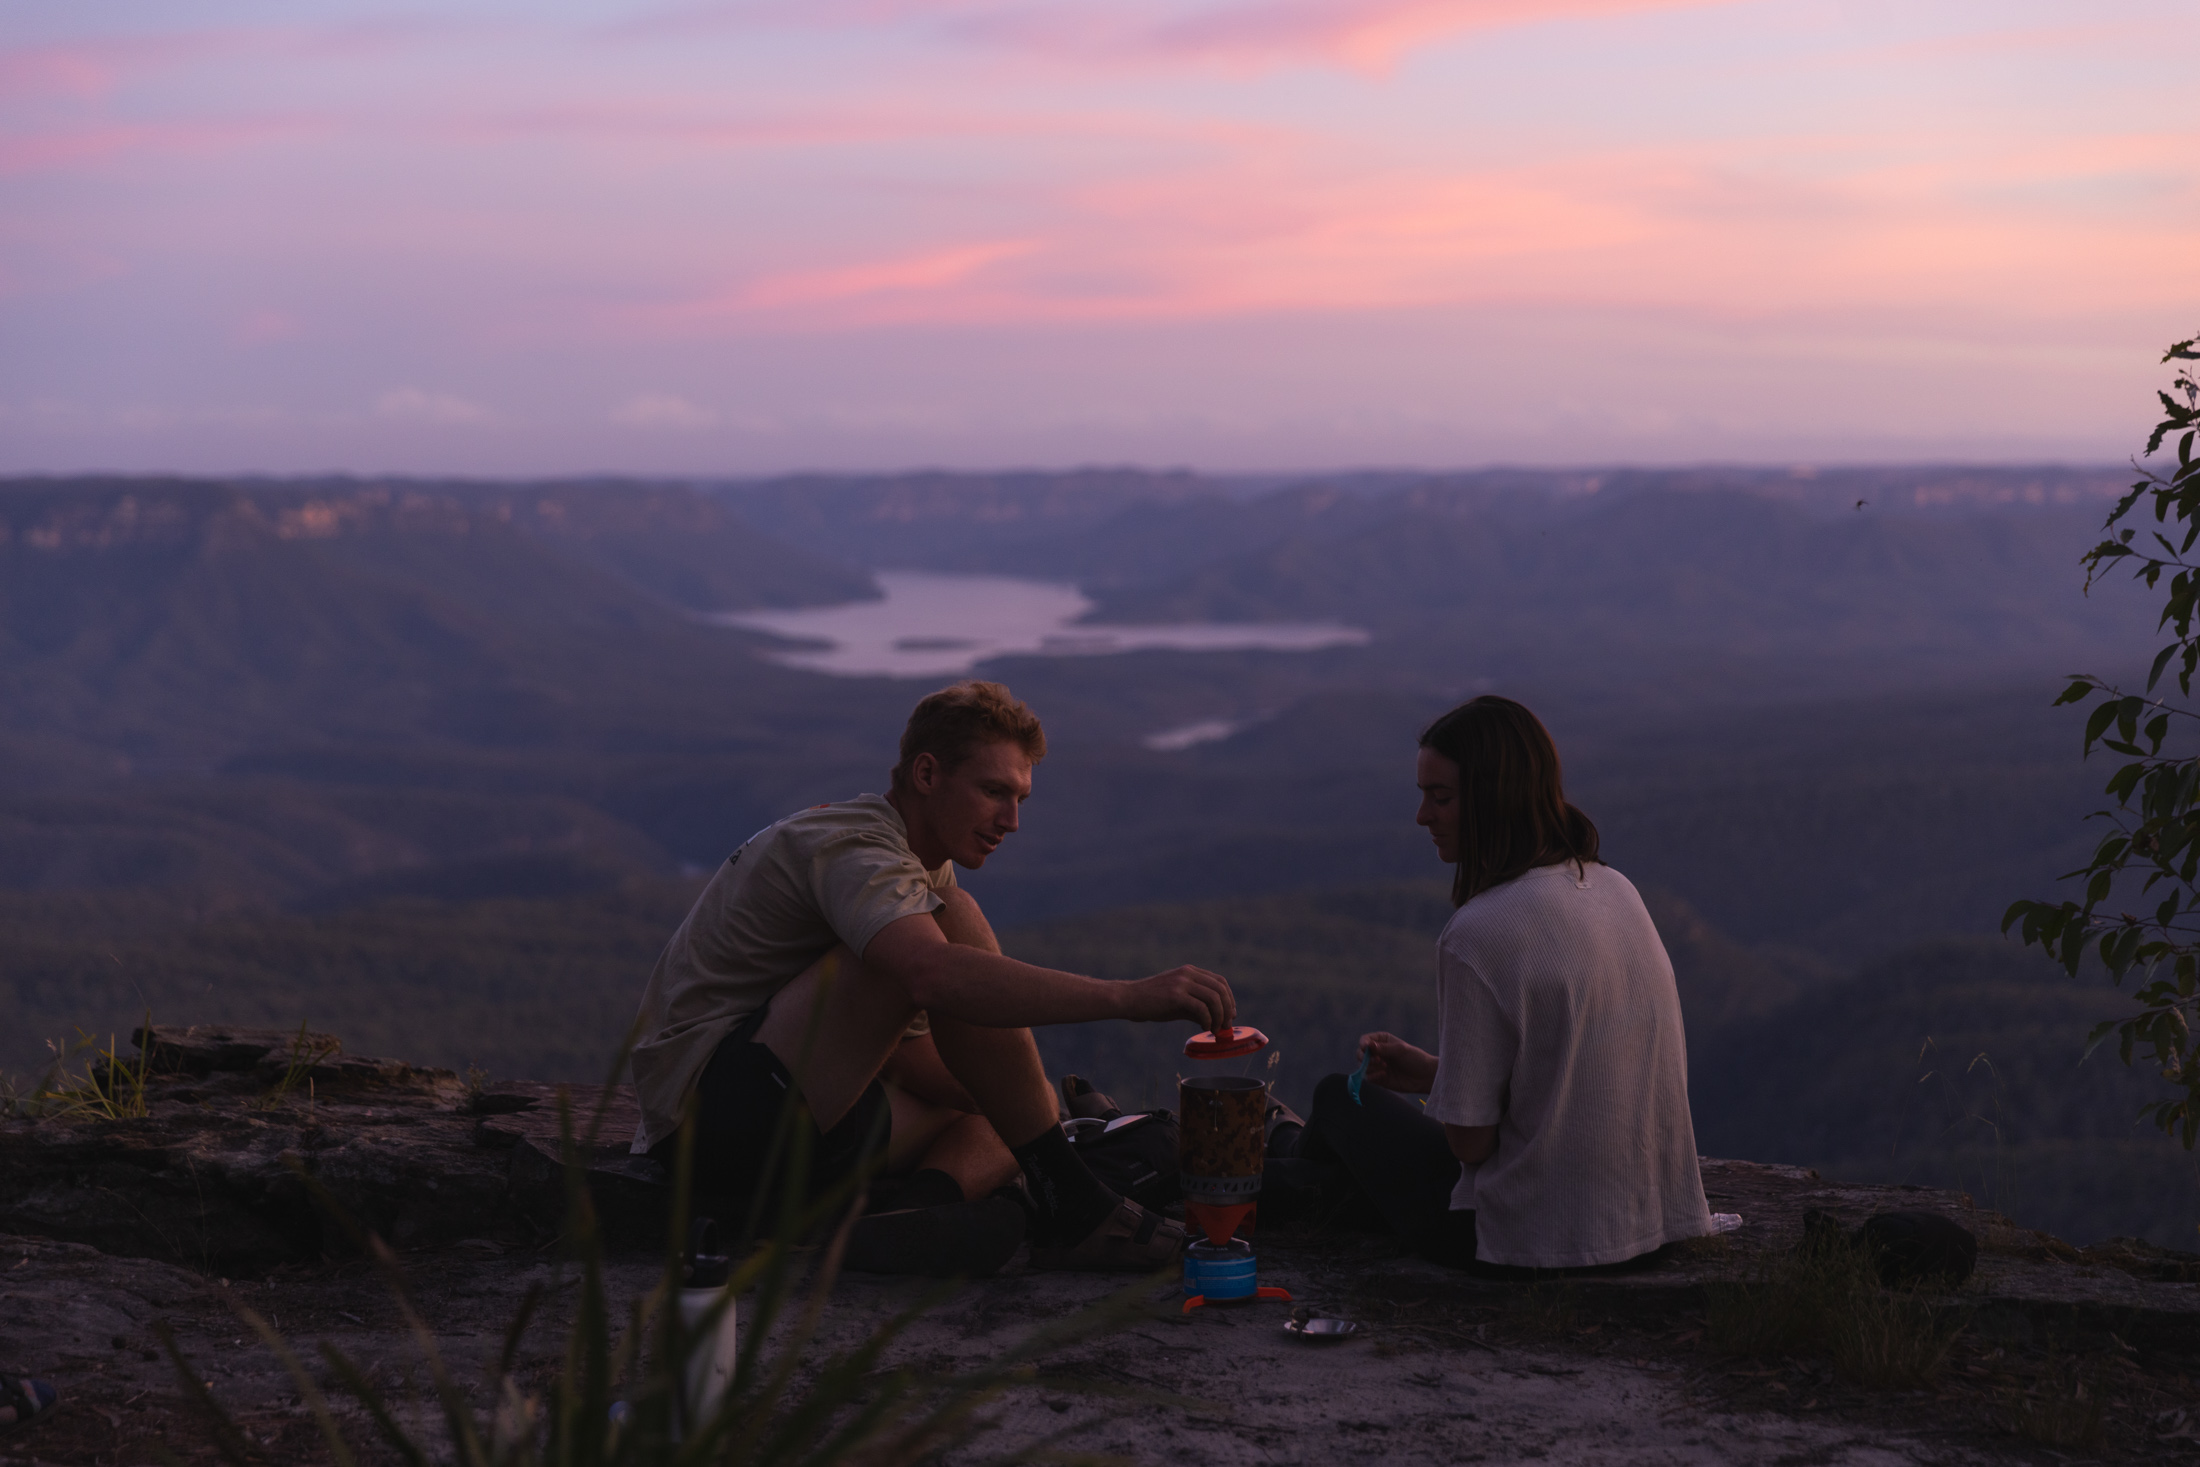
{"x":937,"y":1125}
{"x":1079,"y":1222}
{"x":918,"y":1125}
{"x":834,"y":1028}
{"x":958,"y":1143}
{"x":999,"y":1067}
{"x":859,"y":1019}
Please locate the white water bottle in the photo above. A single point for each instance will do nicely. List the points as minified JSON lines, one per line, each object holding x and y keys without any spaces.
{"x":710,"y":1343}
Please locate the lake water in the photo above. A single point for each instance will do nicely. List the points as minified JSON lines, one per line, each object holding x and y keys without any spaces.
{"x":932,"y":625}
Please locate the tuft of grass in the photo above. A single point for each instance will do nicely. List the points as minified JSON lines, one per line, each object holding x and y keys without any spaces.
{"x":304,"y":1052}
{"x":1548,"y":1310}
{"x":1827,"y":1300}
{"x":1890,"y":1339}
{"x":2060,"y":1411}
{"x":790,"y":1403}
{"x":111,"y":1087}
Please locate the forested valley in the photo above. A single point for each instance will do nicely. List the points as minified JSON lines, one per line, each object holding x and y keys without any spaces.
{"x":438,"y":766}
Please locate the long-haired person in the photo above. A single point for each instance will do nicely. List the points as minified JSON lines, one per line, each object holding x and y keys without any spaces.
{"x":1556,"y":1131}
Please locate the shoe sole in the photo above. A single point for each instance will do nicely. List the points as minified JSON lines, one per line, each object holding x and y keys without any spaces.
{"x":1155,"y":1244}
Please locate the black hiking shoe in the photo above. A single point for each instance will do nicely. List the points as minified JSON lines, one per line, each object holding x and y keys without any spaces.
{"x":1081,"y":1102}
{"x":961,"y":1240}
{"x":1132,"y":1239}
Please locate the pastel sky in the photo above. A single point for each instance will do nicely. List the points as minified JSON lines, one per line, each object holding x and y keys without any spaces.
{"x":702,"y":237}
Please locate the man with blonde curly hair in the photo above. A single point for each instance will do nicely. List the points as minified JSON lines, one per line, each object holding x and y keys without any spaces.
{"x":833,"y":964}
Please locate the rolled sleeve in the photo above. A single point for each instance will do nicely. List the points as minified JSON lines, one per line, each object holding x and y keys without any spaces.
{"x":1476,"y":1047}
{"x":862,"y":885}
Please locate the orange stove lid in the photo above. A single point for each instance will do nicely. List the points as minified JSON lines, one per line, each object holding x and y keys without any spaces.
{"x":1209,"y":1044}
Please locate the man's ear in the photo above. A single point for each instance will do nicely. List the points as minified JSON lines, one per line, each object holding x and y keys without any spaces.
{"x":924,"y":774}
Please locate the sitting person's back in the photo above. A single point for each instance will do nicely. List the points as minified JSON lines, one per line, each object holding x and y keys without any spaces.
{"x":1556,"y":1132}
{"x":1561,"y":1026}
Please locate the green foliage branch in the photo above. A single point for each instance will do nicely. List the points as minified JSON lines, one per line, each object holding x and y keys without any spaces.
{"x":2155,"y":827}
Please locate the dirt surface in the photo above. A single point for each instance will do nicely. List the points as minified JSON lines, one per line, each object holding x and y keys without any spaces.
{"x":180,"y":1219}
{"x":1437,"y":1371}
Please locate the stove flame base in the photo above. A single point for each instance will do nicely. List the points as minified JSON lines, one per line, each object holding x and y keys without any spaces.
{"x":1220,"y":1221}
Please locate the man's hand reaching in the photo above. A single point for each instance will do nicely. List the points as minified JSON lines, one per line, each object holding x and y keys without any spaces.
{"x":981,"y":987}
{"x":1182,"y":993}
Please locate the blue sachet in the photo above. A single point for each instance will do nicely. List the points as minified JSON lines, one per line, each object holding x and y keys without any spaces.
{"x":1352,"y":1081}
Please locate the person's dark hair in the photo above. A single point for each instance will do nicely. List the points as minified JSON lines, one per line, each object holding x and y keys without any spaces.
{"x":1513,"y":815}
{"x":956,"y":722}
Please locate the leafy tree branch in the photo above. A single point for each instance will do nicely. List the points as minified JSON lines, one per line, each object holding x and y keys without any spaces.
{"x":2153,"y":845}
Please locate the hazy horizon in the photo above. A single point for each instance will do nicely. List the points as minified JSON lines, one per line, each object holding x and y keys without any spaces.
{"x":1252,"y":479}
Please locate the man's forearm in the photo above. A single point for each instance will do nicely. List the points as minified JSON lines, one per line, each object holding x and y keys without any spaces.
{"x":979,"y":987}
{"x":975,"y":985}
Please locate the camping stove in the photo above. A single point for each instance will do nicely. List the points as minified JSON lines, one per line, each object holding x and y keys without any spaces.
{"x":1223,"y":1111}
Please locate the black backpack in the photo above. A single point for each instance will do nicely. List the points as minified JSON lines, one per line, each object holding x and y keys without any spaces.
{"x":1135,"y":1156}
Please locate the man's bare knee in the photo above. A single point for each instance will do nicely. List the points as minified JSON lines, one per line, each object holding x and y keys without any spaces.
{"x":833,"y":1027}
{"x":963,"y":921}
{"x":1002,"y":1071}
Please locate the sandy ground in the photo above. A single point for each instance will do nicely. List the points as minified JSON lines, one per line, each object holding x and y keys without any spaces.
{"x":1531,"y":1383}
{"x":1405,"y":1389}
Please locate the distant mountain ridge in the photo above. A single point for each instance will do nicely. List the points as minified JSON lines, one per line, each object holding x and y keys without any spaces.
{"x":447,"y":644}
{"x":1105,"y":527}
{"x":668,"y":541}
{"x":175,"y":623}
{"x":1916,"y":571}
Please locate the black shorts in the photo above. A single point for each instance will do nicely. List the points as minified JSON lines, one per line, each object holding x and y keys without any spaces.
{"x":739,"y":1099}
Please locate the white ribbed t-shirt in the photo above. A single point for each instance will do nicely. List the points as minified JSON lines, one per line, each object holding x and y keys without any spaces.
{"x":1561,"y":1026}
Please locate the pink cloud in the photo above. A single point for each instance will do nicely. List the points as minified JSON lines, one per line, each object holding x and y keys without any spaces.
{"x":1723,"y":232}
{"x":79,"y":147}
{"x":260,"y":327}
{"x":886,"y":277}
{"x":80,"y":72}
{"x":92,"y":69}
{"x":1974,"y":44}
{"x":1362,"y":35}
{"x":863,"y":292}
{"x":703,"y":123}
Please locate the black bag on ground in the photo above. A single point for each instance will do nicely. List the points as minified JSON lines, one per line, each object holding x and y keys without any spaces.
{"x":1918,"y":1247}
{"x":1294,"y":1189}
{"x":1907,"y":1247}
{"x":1137,"y":1158}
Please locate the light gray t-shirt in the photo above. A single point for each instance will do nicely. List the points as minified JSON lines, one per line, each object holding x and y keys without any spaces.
{"x":1561,"y":1026}
{"x":830,"y":875}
